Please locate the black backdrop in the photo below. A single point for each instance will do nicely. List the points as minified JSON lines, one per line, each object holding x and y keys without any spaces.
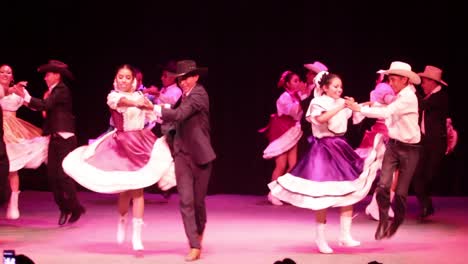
{"x":246,"y":47}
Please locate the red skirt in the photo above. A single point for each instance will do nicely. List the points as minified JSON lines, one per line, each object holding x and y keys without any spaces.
{"x":277,"y":126}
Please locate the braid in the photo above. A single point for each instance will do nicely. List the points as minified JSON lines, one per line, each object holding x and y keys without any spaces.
{"x":321,"y":78}
{"x":285,"y":77}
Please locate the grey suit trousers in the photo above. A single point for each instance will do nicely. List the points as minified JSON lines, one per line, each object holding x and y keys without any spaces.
{"x":192,"y":185}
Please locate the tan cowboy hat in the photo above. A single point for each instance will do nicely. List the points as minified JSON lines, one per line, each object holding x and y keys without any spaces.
{"x":433,"y":73}
{"x":316,"y":67}
{"x":58,"y":67}
{"x":402,"y":69}
{"x":184,"y":67}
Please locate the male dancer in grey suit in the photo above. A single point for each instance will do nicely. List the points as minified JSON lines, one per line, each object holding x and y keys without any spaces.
{"x":59,"y":123}
{"x":193,"y":153}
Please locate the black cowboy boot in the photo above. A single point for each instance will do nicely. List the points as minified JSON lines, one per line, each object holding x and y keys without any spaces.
{"x":400,"y":211}
{"x":383,"y":200}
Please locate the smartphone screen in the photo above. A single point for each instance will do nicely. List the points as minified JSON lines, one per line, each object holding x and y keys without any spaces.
{"x":9,"y":256}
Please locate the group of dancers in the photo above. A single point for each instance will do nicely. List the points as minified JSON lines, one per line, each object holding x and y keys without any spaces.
{"x":330,"y":173}
{"x":126,"y":159}
{"x":28,"y":146}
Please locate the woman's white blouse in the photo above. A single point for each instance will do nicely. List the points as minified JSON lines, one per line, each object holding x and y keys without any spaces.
{"x":11,"y":102}
{"x":134,"y":118}
{"x":337,"y":125}
{"x":289,"y":105}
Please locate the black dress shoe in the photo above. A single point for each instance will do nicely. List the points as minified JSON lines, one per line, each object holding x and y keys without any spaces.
{"x":393,"y":228}
{"x":75,"y":215}
{"x":382,"y":230}
{"x":63,"y":218}
{"x":166,"y":194}
{"x":426,"y":212}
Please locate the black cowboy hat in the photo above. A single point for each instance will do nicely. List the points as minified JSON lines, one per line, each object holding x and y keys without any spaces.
{"x":170,"y":66}
{"x":58,"y":67}
{"x":185,"y":67}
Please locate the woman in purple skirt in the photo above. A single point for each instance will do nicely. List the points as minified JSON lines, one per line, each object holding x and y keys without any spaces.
{"x":126,"y":159}
{"x":331,"y":173}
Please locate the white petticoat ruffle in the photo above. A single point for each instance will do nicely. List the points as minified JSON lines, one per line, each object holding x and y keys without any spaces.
{"x":159,"y":168}
{"x":28,"y":153}
{"x":293,"y":191}
{"x":284,"y":143}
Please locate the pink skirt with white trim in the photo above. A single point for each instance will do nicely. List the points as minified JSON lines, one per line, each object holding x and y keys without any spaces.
{"x":120,"y":161}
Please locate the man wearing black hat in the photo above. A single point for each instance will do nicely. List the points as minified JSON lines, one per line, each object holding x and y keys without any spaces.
{"x":170,"y":94}
{"x":59,"y":123}
{"x":193,"y":153}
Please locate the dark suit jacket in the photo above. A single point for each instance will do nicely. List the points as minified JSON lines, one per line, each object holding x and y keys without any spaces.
{"x":58,"y":107}
{"x":192,"y":126}
{"x":436,"y":110}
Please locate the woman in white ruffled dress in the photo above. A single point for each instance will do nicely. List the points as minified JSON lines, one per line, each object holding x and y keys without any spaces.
{"x":331,"y":173}
{"x":126,"y":159}
{"x":26,"y":148}
{"x":382,"y":94}
{"x":284,"y":128}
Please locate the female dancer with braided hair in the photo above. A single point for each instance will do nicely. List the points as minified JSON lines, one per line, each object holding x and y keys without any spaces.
{"x":284,"y":129}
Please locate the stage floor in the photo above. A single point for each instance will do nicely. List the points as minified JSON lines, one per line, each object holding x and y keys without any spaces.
{"x":240,"y":229}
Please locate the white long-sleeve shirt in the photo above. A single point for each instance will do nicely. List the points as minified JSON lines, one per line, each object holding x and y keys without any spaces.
{"x":401,"y":116}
